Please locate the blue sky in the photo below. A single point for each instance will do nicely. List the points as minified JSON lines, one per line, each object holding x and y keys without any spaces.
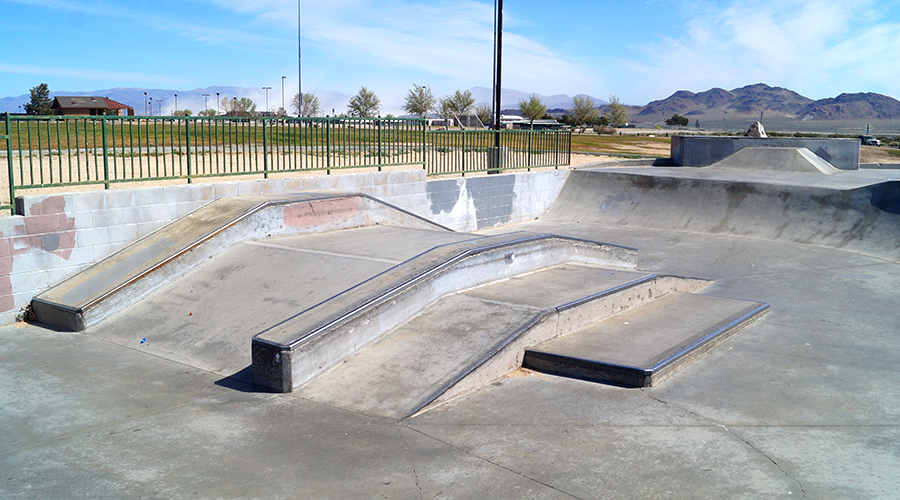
{"x":639,"y":50}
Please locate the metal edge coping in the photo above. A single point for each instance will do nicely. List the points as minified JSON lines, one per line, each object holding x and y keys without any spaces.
{"x":744,"y":319}
{"x":399,"y":287}
{"x":262,"y":204}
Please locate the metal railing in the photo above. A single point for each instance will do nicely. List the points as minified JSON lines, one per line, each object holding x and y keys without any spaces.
{"x":55,"y":151}
{"x":51,"y":151}
{"x":469,"y":151}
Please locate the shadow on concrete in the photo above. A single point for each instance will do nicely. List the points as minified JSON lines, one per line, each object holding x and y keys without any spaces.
{"x":242,"y":381}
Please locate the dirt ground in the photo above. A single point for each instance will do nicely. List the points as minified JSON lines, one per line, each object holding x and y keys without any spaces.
{"x":876,"y":154}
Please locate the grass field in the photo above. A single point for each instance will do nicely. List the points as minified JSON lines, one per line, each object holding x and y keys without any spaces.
{"x":625,"y":145}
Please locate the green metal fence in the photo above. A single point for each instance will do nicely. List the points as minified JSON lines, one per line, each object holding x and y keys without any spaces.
{"x":50,"y":151}
{"x":469,"y":151}
{"x":53,"y":151}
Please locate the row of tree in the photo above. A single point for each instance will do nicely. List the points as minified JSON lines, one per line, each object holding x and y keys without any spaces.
{"x":420,"y":101}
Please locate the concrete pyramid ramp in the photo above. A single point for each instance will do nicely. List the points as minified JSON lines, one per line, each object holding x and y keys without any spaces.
{"x":779,"y":159}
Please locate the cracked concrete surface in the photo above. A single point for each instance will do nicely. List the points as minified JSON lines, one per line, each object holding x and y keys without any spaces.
{"x":801,"y":404}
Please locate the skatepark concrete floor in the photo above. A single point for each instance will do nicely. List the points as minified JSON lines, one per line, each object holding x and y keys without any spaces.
{"x":804,"y":403}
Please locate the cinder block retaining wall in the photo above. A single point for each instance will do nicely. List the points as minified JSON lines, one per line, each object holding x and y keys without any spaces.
{"x":62,"y":234}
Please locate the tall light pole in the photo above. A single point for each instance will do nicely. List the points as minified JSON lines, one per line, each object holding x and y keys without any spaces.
{"x":299,"y":59}
{"x":205,"y":103}
{"x":151,"y":106}
{"x":176,"y":103}
{"x":145,"y":104}
{"x":267,"y":89}
{"x":217,"y":104}
{"x":498,"y":64}
{"x":159,"y":106}
{"x":283,"y":109}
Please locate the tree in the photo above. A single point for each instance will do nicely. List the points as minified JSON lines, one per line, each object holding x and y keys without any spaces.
{"x":365,"y":104}
{"x":532,"y":108}
{"x":583,"y":112}
{"x":239,"y":107}
{"x":616,"y":112}
{"x":40,"y":103}
{"x":678,"y":120}
{"x":458,"y":104}
{"x":485,"y":114}
{"x":182,"y":112}
{"x":419,"y":101}
{"x":310,"y":105}
{"x":207,"y":112}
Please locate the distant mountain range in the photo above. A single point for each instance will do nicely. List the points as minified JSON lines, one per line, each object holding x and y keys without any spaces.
{"x":714,"y":104}
{"x":779,"y":102}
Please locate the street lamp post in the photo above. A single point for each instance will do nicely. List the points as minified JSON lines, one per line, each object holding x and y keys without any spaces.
{"x":145,"y":104}
{"x":176,"y":104}
{"x":217,"y":104}
{"x":205,"y":103}
{"x":151,"y":106}
{"x":267,"y":89}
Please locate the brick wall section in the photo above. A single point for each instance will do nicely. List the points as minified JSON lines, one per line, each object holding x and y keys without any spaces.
{"x":61,"y":234}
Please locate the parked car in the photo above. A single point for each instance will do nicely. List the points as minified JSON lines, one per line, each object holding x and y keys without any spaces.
{"x":869,"y":140}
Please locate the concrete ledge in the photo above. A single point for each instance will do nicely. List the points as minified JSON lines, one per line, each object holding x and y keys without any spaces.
{"x":294,"y":352}
{"x":642,"y":349}
{"x":130,"y":274}
{"x":701,"y":151}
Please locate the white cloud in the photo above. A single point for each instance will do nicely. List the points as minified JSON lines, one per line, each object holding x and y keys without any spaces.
{"x":87,"y":74}
{"x":817,"y":47}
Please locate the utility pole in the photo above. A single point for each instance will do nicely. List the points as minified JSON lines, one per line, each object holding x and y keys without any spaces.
{"x":217,"y":104}
{"x":498,"y":64}
{"x":283,"y":109}
{"x":176,"y":104}
{"x":145,"y":104}
{"x":300,"y":58}
{"x":151,"y":106}
{"x":205,"y":103}
{"x":267,"y":89}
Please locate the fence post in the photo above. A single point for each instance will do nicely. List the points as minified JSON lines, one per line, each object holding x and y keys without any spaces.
{"x":187,"y":138}
{"x":105,"y":153}
{"x":424,"y":144}
{"x":327,"y":146}
{"x":9,"y":164}
{"x":265,"y":150}
{"x":378,"y":121}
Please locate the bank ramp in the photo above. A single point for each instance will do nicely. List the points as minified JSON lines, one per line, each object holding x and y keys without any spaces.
{"x":133,"y":272}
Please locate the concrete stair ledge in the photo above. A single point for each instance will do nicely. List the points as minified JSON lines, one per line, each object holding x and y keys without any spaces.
{"x":644,"y":345}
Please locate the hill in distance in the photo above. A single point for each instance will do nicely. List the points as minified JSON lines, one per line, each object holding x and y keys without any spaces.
{"x":773,"y":102}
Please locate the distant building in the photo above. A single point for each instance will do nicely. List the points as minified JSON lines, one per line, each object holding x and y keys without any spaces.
{"x":90,"y":105}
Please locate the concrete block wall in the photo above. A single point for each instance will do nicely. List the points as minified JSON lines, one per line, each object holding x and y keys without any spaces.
{"x":60,"y":235}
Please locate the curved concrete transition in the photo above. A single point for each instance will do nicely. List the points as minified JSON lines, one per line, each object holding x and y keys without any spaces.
{"x":778,"y":159}
{"x":857,"y":211}
{"x":133,"y":272}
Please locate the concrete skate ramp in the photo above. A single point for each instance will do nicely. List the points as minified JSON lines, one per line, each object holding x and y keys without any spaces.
{"x":835,"y":211}
{"x":304,"y":346}
{"x":131,"y":273}
{"x":777,"y":159}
